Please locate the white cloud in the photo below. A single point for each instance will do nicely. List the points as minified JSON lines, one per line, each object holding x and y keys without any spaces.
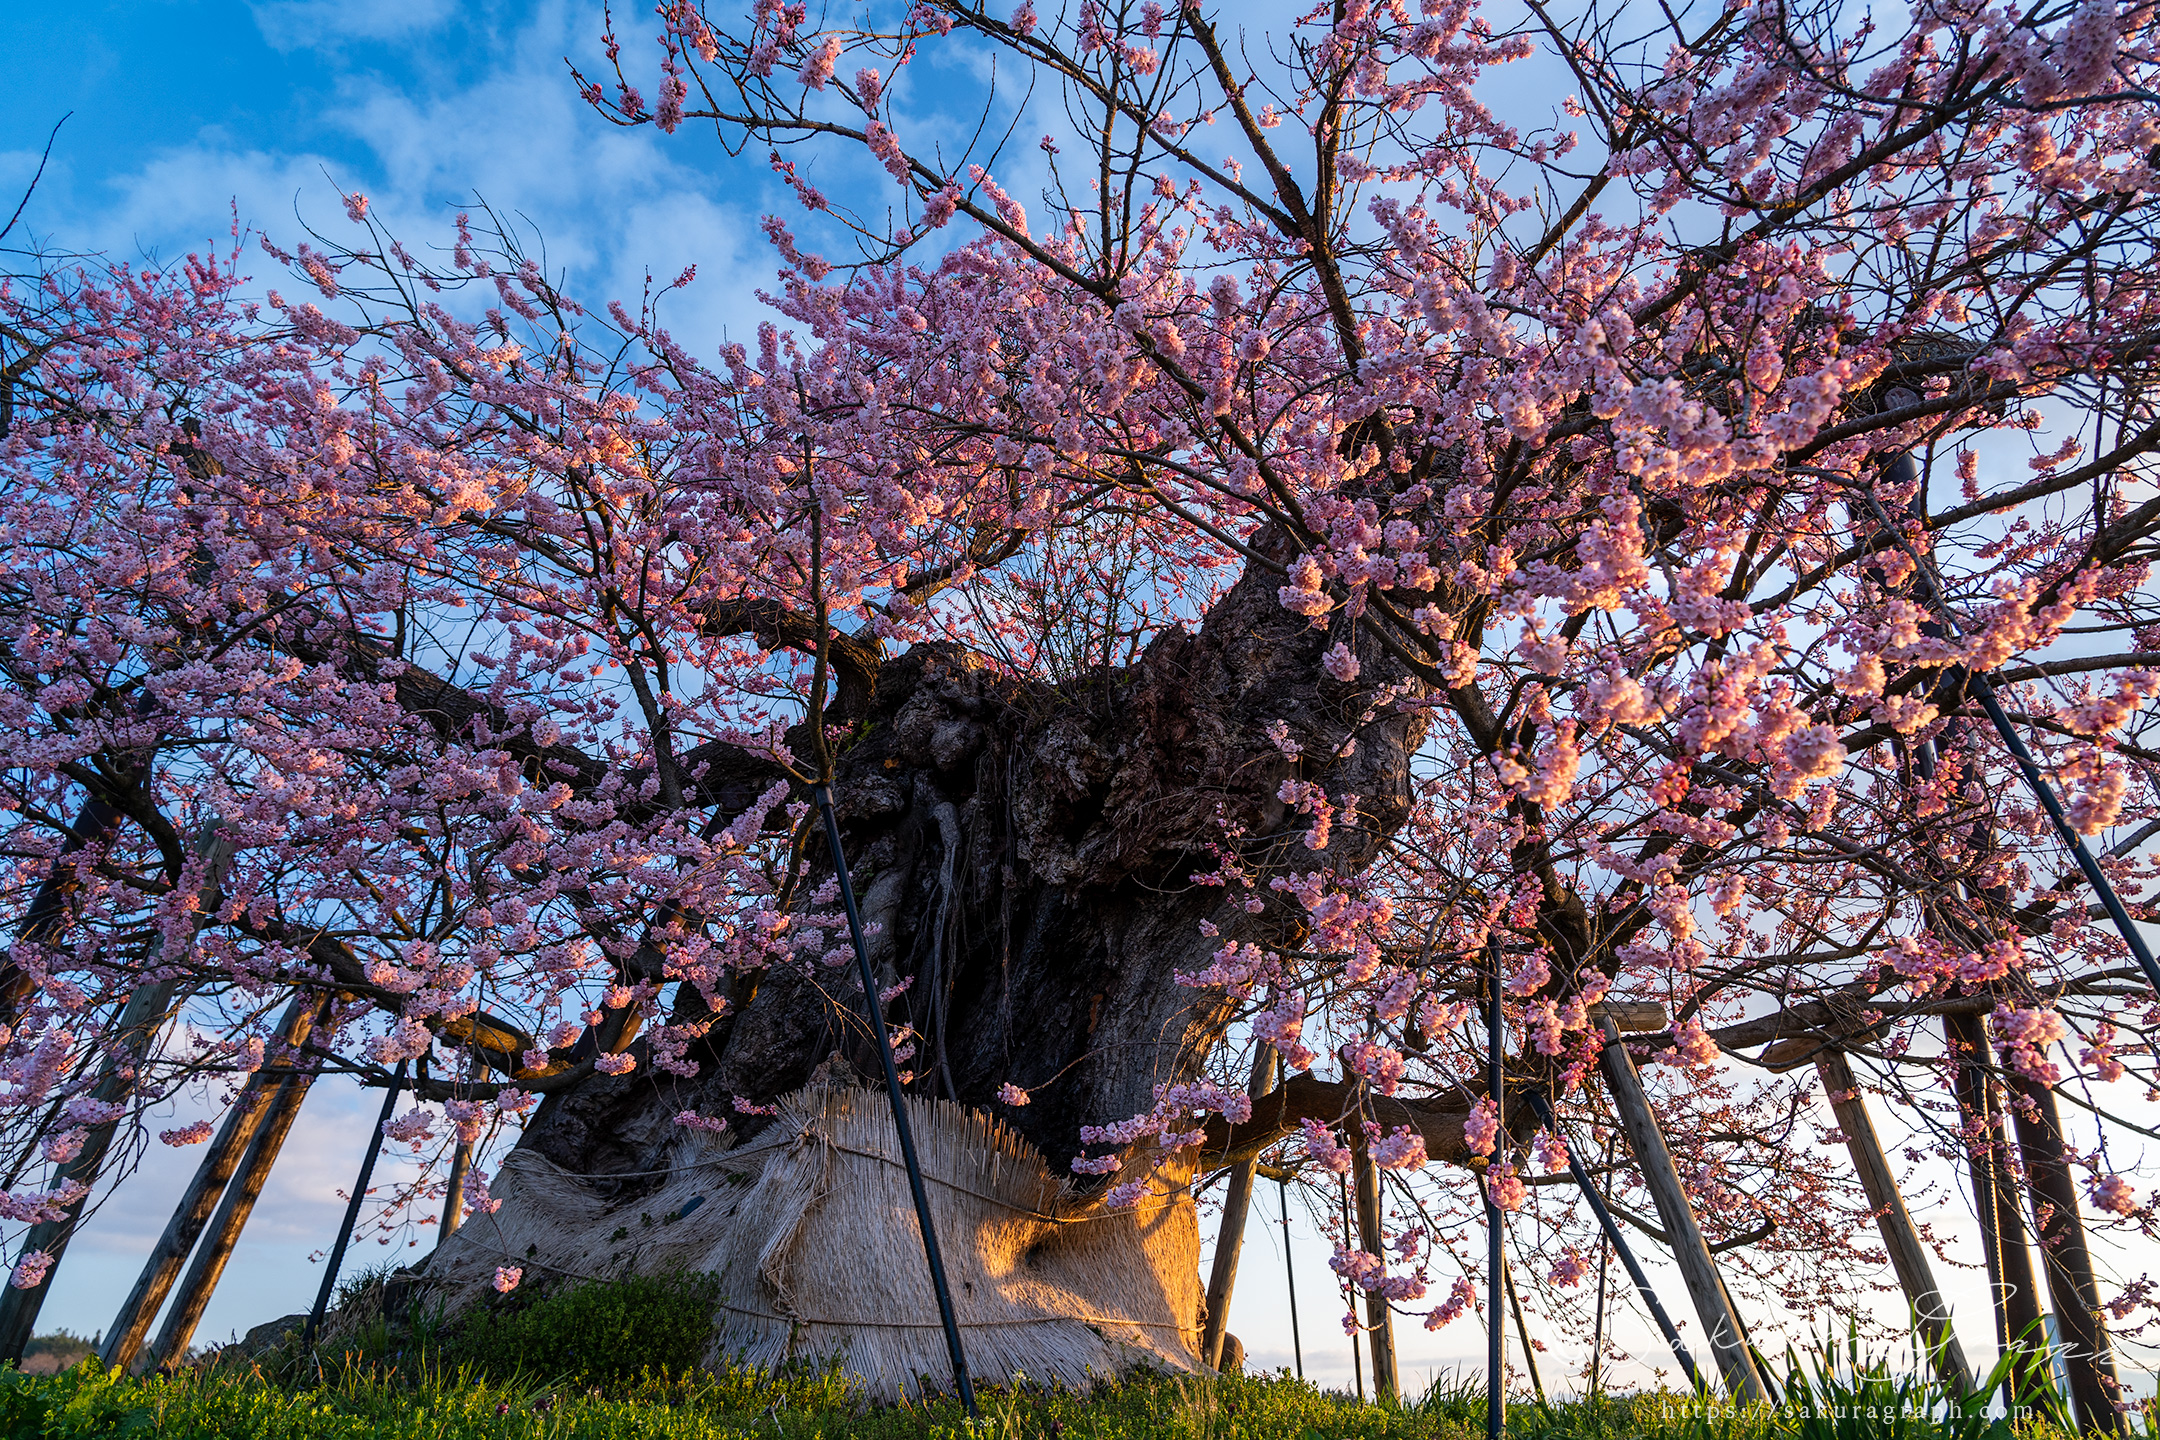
{"x":314,"y":24}
{"x":607,"y":204}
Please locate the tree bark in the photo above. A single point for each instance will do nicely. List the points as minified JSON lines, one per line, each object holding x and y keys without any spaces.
{"x":1230,"y":1239}
{"x":1908,"y":1257}
{"x":1027,"y":855}
{"x":2066,"y":1258}
{"x":1697,"y":1269}
{"x":257,"y":1101}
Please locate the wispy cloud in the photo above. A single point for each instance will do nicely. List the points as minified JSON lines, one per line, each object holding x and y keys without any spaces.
{"x":301,"y":24}
{"x":423,"y":140}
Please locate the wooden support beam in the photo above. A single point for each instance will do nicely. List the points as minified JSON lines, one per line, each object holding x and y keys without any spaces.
{"x":232,"y":1217}
{"x":1697,"y":1269}
{"x":1995,"y":1199}
{"x":142,"y":1019}
{"x":124,"y":1337}
{"x":2066,"y":1259}
{"x":1230,"y":1239}
{"x":1379,"y":1318}
{"x":1630,"y":1016}
{"x":453,"y":1209}
{"x":1908,"y":1257}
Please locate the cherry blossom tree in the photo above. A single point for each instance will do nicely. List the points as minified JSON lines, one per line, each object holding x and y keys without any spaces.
{"x":1345,"y":549}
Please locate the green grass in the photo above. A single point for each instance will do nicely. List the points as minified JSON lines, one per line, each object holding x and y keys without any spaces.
{"x":462,"y":1406}
{"x":602,"y":1334}
{"x":427,"y":1403}
{"x":558,"y":1366}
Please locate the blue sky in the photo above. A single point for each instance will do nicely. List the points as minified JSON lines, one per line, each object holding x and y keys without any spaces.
{"x":180,"y":112}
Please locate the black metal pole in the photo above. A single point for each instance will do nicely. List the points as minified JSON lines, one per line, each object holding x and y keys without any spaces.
{"x":876,"y":1009}
{"x":352,"y":1209}
{"x":1495,"y":1257}
{"x":1597,"y":1328}
{"x":1357,"y":1362}
{"x":1297,"y":1344}
{"x":1522,"y":1333}
{"x":1904,"y":469}
{"x":1539,"y":1103}
{"x":2070,"y":838}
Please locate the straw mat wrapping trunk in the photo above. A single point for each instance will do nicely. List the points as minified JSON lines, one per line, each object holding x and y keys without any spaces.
{"x":812,"y":1234}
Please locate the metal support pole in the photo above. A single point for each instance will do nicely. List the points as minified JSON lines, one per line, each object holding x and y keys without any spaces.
{"x":352,"y":1209}
{"x":1522,"y":1333}
{"x":1357,"y":1364}
{"x":1628,"y":1262}
{"x":1597,"y":1326}
{"x":2074,"y":842}
{"x":1297,"y":1343}
{"x":1984,"y":692}
{"x":1495,"y":1255}
{"x":876,"y":1011}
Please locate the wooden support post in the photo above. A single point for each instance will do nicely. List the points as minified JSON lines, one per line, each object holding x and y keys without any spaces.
{"x":2066,"y":1259}
{"x":232,"y":1216}
{"x":258,"y":1098}
{"x":1995,"y":1198}
{"x":1697,"y":1269}
{"x":1379,"y":1318}
{"x":1908,"y":1257}
{"x":1230,"y":1239}
{"x":142,"y":1018}
{"x":453,"y":1212}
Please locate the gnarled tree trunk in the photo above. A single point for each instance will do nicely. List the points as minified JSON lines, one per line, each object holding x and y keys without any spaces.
{"x":1026,"y":854}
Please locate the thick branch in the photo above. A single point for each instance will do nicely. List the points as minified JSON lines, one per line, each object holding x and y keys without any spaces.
{"x":1328,"y":1102}
{"x":855,"y":658}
